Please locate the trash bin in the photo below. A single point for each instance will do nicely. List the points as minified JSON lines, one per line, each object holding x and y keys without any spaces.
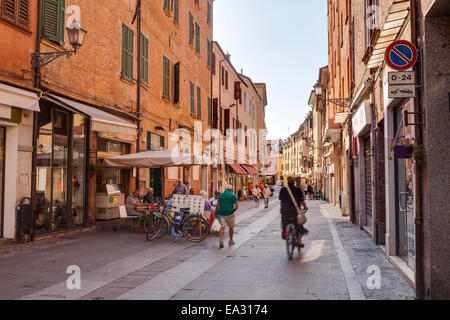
{"x":24,"y":218}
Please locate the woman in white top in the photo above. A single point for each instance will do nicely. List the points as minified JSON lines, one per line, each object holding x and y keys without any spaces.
{"x":244,"y":193}
{"x":267,"y":193}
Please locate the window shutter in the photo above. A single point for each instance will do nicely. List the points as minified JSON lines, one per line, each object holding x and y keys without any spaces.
{"x":226,"y":79}
{"x":124,"y":51}
{"x":199,"y":103}
{"x":50,"y":17}
{"x":197,"y":38}
{"x":9,"y":10}
{"x":144,"y":58}
{"x":191,"y":28}
{"x":166,"y":77}
{"x":209,"y":112}
{"x":208,"y":18}
{"x":130,"y":49}
{"x":23,"y":17}
{"x":149,"y":141}
{"x":62,"y":21}
{"x":176,"y":83}
{"x":167,"y":5}
{"x":213,"y":63}
{"x":226,"y":120}
{"x":192,"y":98}
{"x":162,"y":142}
{"x":176,"y":10}
{"x":215,"y":113}
{"x":237,"y":90}
{"x":208,"y":47}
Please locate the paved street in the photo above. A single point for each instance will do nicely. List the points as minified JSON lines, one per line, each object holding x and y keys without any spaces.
{"x":123,"y":265}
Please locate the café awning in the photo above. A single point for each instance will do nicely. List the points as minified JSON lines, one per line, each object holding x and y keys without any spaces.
{"x":151,"y":159}
{"x":14,"y":97}
{"x":101,"y":121}
{"x":238,"y":169}
{"x":250,"y":169}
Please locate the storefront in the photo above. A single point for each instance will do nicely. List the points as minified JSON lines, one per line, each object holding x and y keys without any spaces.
{"x":63,"y":167}
{"x":17,"y":108}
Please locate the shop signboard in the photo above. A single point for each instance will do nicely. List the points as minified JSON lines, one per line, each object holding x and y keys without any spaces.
{"x":362,"y":119}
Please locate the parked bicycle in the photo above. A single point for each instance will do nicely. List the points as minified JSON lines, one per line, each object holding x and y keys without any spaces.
{"x":193,"y":227}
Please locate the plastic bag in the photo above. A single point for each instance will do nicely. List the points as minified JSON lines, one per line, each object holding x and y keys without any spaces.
{"x":216,"y":226}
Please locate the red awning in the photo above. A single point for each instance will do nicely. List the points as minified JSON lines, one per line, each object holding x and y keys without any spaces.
{"x":250,"y":169}
{"x":238,"y":169}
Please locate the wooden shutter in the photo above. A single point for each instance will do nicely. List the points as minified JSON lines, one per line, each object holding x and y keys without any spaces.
{"x":213,"y":63}
{"x":209,"y":112}
{"x":226,"y":79}
{"x":176,"y":83}
{"x":50,"y":20}
{"x":197,"y":38}
{"x":166,"y":77}
{"x":130,"y":49}
{"x":9,"y":10}
{"x":144,"y":59}
{"x":149,"y":141}
{"x":176,"y":10}
{"x":199,"y":103}
{"x":22,"y":15}
{"x":162,"y":142}
{"x":208,"y":18}
{"x":127,"y":52}
{"x":16,"y":11}
{"x":167,"y":5}
{"x":191,"y":28}
{"x":215,"y":113}
{"x":208,"y":47}
{"x":62,"y":21}
{"x":237,"y":91}
{"x":226,"y":119}
{"x":192,"y":98}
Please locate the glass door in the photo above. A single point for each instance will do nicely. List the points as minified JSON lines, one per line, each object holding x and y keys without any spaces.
{"x":2,"y":174}
{"x":404,"y":200}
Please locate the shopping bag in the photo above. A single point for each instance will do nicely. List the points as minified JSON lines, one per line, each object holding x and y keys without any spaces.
{"x":215,"y":229}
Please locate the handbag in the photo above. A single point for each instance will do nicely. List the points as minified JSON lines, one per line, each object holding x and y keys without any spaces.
{"x":301,"y":213}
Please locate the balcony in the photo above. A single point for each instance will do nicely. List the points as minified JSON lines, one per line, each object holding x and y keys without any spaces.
{"x":332,"y":132}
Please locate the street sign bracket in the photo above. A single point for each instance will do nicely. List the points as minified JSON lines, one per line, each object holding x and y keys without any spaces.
{"x":406,"y":114}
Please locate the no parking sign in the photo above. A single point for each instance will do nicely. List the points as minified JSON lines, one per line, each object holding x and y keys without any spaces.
{"x":401,"y":55}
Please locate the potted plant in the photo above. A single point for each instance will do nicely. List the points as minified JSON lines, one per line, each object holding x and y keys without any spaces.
{"x":405,"y":148}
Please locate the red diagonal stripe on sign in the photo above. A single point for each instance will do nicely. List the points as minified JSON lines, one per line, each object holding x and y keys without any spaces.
{"x":401,"y":55}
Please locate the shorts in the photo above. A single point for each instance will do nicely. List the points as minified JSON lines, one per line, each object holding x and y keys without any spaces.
{"x":228,"y":221}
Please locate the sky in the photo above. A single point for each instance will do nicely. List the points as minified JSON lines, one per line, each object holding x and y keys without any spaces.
{"x":282,"y":43}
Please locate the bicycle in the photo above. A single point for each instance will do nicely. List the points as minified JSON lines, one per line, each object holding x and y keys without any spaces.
{"x":291,"y":240}
{"x":193,"y":227}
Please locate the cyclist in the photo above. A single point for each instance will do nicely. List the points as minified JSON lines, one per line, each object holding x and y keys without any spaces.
{"x":289,"y":212}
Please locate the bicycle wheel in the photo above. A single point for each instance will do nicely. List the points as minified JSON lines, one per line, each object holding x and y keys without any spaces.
{"x":153,"y":229}
{"x":148,"y":220}
{"x":195,"y":228}
{"x":164,"y":228}
{"x":291,"y":243}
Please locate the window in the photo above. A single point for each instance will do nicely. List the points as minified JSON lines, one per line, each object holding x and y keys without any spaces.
{"x":191,"y":29}
{"x":372,"y":20}
{"x":199,"y":103}
{"x":208,"y":47}
{"x":154,"y":141}
{"x":192,"y":98}
{"x":166,"y":77}
{"x":197,"y":38}
{"x":127,"y":52}
{"x":167,"y":5}
{"x":16,"y":12}
{"x":176,"y":11}
{"x":144,"y":59}
{"x":226,"y":80}
{"x":213,"y":63}
{"x":176,"y":83}
{"x":208,"y":17}
{"x":53,"y":20}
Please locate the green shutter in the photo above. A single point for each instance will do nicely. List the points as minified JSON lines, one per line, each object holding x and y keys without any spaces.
{"x":167,"y":5}
{"x":197,"y":38}
{"x":191,"y":28}
{"x":192,"y":98}
{"x":166,"y":77}
{"x":199,"y":103}
{"x":176,"y":83}
{"x":176,"y":10}
{"x":127,"y":52}
{"x":144,"y":59}
{"x":208,"y":46}
{"x":53,"y":20}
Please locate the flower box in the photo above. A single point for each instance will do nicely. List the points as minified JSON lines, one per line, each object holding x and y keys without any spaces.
{"x":403,"y":151}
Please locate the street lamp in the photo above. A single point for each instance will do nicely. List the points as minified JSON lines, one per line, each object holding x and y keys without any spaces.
{"x":76,"y":35}
{"x":341,"y":102}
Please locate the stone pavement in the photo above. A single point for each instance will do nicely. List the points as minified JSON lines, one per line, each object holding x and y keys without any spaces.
{"x":123,"y":265}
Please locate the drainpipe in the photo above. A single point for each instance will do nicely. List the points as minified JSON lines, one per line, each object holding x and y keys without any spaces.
{"x":138,"y":95}
{"x":418,"y":68}
{"x":37,"y":84}
{"x":374,"y":157}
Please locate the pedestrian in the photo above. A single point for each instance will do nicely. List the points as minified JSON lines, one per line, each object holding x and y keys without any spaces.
{"x":226,"y":208}
{"x":267,"y":193}
{"x":244,"y":193}
{"x":289,"y":210}
{"x":256,"y":195}
{"x":180,"y":188}
{"x":310,"y":191}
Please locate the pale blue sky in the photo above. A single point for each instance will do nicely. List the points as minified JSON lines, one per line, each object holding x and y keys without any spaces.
{"x":280,"y":42}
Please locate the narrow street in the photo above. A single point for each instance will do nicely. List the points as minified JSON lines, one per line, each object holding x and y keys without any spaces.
{"x":123,"y":265}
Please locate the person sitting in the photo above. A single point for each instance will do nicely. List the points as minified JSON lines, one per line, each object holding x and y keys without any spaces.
{"x":150,"y":196}
{"x":192,"y":192}
{"x":130,"y":204}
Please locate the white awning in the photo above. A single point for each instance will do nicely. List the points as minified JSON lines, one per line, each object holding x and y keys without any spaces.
{"x":14,"y":97}
{"x":395,"y":20}
{"x":152,"y":159}
{"x":101,"y":121}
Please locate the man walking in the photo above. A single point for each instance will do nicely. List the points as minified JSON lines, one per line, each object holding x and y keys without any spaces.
{"x":267,"y":193}
{"x":226,"y":207}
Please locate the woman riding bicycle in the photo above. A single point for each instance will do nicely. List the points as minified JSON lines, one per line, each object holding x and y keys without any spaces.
{"x":289,"y":212}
